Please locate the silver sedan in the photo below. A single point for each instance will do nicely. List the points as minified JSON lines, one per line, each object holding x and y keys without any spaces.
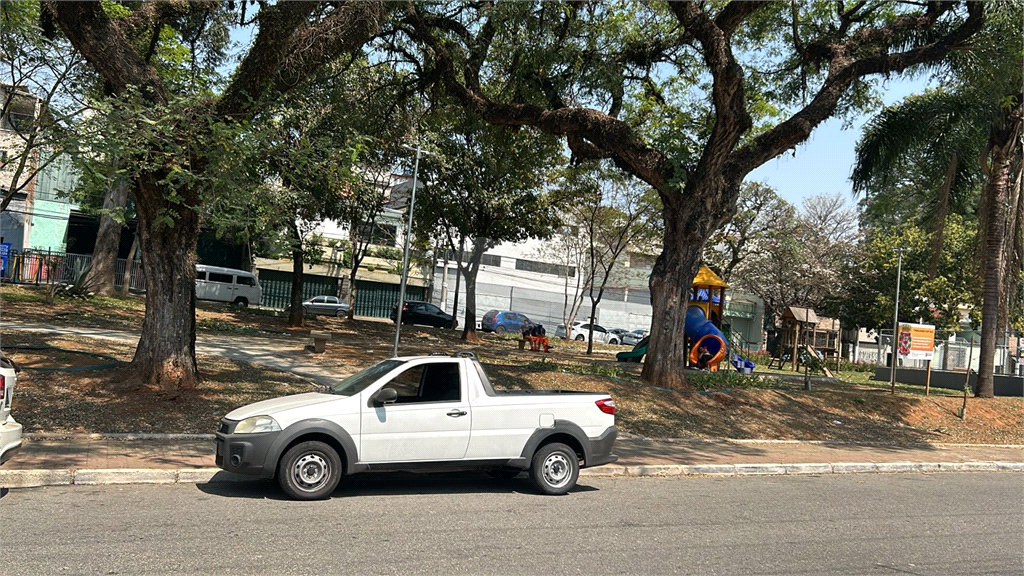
{"x":328,"y":305}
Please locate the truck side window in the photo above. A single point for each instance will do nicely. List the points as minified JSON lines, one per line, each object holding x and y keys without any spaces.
{"x":435,"y":382}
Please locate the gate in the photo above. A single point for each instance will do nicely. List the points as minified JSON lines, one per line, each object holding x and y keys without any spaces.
{"x":375,"y":299}
{"x":277,"y":287}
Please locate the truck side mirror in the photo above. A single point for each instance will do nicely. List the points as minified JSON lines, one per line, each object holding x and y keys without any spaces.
{"x":385,"y":396}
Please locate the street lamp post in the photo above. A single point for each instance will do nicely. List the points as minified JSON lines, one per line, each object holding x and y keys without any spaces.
{"x":896,"y":321}
{"x":405,"y":257}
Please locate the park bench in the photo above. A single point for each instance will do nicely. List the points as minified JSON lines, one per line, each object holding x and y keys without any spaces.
{"x":320,"y":341}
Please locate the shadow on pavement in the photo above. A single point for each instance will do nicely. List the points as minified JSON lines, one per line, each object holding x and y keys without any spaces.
{"x":387,"y":484}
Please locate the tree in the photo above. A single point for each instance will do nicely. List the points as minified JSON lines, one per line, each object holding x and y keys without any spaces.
{"x":609,"y":211}
{"x":683,"y":95}
{"x":800,"y":262}
{"x":976,"y":114}
{"x":486,"y":183}
{"x":40,"y":97}
{"x":760,"y":214}
{"x":189,"y":128}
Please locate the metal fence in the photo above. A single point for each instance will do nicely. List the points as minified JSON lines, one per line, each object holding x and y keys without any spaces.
{"x":58,"y":267}
{"x":953,"y":351}
{"x":547,"y":307}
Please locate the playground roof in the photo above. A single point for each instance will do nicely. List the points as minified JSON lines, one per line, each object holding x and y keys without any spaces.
{"x":805,"y":315}
{"x":707,"y":279}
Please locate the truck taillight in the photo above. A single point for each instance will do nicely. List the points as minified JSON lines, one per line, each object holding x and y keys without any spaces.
{"x":607,"y":406}
{"x":3,"y":387}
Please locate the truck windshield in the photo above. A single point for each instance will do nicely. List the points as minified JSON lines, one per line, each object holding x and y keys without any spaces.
{"x":355,"y":383}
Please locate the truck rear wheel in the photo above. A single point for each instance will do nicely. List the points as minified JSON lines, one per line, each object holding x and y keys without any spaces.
{"x":309,"y":471}
{"x":555,"y":469}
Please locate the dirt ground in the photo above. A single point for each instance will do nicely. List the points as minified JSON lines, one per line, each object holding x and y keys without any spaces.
{"x":106,"y":400}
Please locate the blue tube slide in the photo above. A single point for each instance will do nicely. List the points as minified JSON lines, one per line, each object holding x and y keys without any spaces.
{"x":698,"y":326}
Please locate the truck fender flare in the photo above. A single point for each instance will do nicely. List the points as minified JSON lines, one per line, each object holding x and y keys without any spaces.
{"x":561,"y":427}
{"x":310,"y":427}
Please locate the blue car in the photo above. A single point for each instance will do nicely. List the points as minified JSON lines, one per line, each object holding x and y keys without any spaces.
{"x":501,"y":321}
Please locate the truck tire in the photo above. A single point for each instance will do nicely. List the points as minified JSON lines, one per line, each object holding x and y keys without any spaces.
{"x":309,"y":471}
{"x":555,"y":469}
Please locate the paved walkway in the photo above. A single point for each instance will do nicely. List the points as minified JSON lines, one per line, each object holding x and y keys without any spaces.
{"x":285,"y":353}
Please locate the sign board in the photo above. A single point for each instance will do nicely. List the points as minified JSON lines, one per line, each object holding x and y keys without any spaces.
{"x":916,"y":341}
{"x":5,"y":251}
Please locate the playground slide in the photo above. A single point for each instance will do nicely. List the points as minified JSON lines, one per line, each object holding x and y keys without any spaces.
{"x":636,"y":354}
{"x":704,"y":333}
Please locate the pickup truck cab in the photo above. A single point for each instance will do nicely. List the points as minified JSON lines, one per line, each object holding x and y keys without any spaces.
{"x":417,"y":413}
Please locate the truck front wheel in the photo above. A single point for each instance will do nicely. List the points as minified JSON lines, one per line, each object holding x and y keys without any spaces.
{"x":555,"y":469}
{"x":309,"y":471}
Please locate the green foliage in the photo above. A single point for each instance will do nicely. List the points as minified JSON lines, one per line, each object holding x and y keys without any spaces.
{"x":387,"y":253}
{"x":724,"y":379}
{"x":485,"y":181}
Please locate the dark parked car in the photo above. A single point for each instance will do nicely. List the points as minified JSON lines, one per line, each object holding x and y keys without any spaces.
{"x":422,"y":313}
{"x":501,"y":321}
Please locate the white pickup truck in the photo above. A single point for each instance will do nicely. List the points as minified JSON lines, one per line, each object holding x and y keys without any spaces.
{"x":10,"y":430}
{"x":416,"y":413}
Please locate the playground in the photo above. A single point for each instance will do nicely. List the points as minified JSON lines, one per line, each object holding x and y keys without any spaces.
{"x":707,"y":345}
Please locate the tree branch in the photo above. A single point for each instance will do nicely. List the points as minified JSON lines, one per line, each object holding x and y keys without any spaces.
{"x":844,"y":70}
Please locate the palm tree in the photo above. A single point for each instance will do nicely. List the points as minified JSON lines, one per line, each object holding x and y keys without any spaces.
{"x":935,"y":137}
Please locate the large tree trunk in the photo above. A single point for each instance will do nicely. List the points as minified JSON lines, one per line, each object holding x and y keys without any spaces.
{"x":166,"y":353}
{"x":1003,"y":147}
{"x":103,"y":267}
{"x":295,"y":316}
{"x":687,"y":228}
{"x":472,"y":268}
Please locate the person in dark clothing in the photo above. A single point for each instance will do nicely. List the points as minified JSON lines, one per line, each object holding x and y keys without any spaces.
{"x":703,"y":357}
{"x":540,"y":338}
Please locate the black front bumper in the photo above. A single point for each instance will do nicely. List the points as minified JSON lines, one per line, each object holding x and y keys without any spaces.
{"x":601,"y":448}
{"x":244,"y":453}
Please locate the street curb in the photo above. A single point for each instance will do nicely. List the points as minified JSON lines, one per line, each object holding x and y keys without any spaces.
{"x":97,"y":477}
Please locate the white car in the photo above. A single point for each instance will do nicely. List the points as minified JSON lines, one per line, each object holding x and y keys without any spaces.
{"x":10,"y":430}
{"x":412,"y":413}
{"x":327,"y":305}
{"x":581,"y":332}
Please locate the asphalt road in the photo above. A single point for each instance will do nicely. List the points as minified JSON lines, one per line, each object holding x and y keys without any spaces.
{"x":466,"y":524}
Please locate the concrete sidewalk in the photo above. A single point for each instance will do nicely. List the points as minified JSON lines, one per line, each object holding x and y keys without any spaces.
{"x":122,"y":459}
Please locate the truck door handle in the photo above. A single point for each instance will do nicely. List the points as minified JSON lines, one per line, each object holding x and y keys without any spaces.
{"x":456,"y":413}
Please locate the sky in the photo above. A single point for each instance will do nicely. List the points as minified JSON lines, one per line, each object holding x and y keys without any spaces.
{"x":822,"y":164}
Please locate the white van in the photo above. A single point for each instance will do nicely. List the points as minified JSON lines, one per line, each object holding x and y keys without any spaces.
{"x":227,"y":285}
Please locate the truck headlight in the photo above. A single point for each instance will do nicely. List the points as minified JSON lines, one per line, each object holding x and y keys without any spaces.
{"x":256,"y":424}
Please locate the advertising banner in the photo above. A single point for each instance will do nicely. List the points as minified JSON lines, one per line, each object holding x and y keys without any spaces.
{"x":916,"y":341}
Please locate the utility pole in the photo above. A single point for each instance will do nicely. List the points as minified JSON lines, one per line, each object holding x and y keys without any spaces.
{"x":896,"y":321}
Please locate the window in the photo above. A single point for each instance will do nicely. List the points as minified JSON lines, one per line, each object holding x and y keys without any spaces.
{"x":318,"y":300}
{"x":218,"y":277}
{"x":431,"y":309}
{"x":545,"y":268}
{"x":246,"y":281}
{"x":201,"y":276}
{"x":485,"y":260}
{"x":435,"y":382}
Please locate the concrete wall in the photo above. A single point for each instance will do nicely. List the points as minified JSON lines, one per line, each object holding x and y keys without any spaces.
{"x":1004,"y":385}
